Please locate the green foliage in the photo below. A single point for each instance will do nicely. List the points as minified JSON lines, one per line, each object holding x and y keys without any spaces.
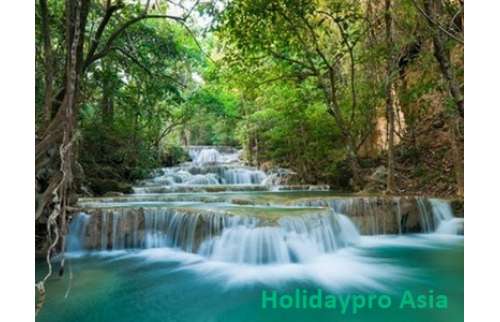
{"x":135,"y":99}
{"x":216,"y":110}
{"x":173,"y":155}
{"x":296,"y":83}
{"x":283,"y":58}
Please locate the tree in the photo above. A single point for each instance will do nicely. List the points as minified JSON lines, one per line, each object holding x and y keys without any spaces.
{"x":389,"y":96}
{"x":70,"y":51}
{"x":433,"y":13}
{"x":444,"y":29}
{"x":316,"y":39}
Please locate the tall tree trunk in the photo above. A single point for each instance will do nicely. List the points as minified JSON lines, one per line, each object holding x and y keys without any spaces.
{"x":433,"y":10}
{"x":58,"y":194}
{"x":48,"y":62}
{"x":107,"y":99}
{"x":389,"y":97}
{"x":351,"y":148}
{"x":300,"y":156}
{"x":347,"y":136}
{"x":256,"y":148}
{"x":454,"y":127}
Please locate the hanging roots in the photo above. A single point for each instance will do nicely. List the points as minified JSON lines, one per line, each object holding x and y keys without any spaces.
{"x":59,"y":211}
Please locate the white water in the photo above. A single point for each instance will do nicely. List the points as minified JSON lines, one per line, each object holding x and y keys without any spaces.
{"x":226,"y":238}
{"x":208,"y":167}
{"x":77,"y":230}
{"x":334,"y":271}
{"x":201,"y":155}
{"x":293,"y":240}
{"x":219,"y":239}
{"x":231,"y":238}
{"x":443,"y":216}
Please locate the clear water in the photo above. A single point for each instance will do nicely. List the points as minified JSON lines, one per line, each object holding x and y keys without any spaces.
{"x":167,"y":285}
{"x":269,"y":240}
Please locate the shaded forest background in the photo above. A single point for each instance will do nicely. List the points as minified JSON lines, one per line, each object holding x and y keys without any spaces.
{"x":363,"y":95}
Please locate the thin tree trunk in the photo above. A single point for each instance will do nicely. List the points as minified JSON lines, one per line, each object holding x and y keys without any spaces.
{"x":351,"y":149}
{"x":107,"y":99}
{"x":348,"y":138}
{"x":458,"y":166}
{"x":76,"y":19}
{"x":432,"y":9}
{"x":48,"y":63}
{"x":389,"y":98}
{"x":256,"y":142}
{"x":302,"y":149}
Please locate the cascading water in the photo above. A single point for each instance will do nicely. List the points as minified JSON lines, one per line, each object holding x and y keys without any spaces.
{"x":78,"y":229}
{"x":206,"y":156}
{"x":243,"y":176}
{"x":238,"y":239}
{"x":237,"y":223}
{"x":155,"y":227}
{"x":437,"y":217}
{"x":444,"y":219}
{"x":209,"y":167}
{"x":425,"y":211}
{"x":212,"y":227}
{"x":292,"y":240}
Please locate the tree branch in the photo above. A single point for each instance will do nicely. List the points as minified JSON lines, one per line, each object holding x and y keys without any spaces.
{"x":109,"y":10}
{"x":48,"y":62}
{"x":109,"y":43}
{"x":431,"y":21}
{"x":133,"y":59}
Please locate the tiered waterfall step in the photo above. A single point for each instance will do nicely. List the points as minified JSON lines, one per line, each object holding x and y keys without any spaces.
{"x":221,"y":209}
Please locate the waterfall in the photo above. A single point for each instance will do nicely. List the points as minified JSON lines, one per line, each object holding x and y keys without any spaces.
{"x":207,"y":156}
{"x":203,"y":179}
{"x":243,"y":176}
{"x":203,"y":155}
{"x":437,"y":217}
{"x":425,"y":212}
{"x":445,"y":220}
{"x":241,"y":239}
{"x":395,"y":215}
{"x":154,"y":227}
{"x":218,"y":234}
{"x":222,"y":210}
{"x":209,"y":167}
{"x":104,"y":232}
{"x":77,"y":231}
{"x":292,"y":240}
